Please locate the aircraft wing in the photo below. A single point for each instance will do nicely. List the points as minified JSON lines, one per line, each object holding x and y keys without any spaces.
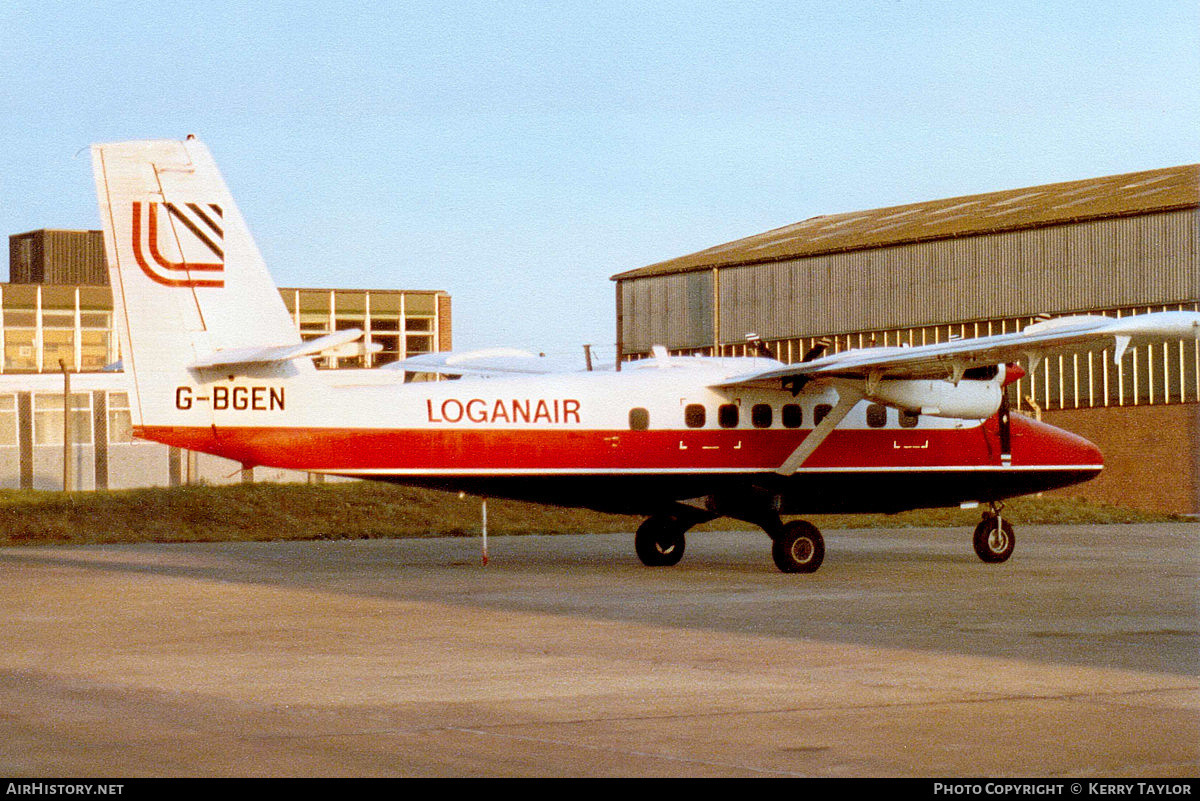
{"x":950,"y":360}
{"x":482,"y":363}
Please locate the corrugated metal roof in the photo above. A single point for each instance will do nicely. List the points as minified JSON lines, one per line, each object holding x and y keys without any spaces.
{"x":1015,"y":209}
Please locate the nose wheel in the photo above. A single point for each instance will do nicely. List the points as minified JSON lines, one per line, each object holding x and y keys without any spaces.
{"x":994,"y":540}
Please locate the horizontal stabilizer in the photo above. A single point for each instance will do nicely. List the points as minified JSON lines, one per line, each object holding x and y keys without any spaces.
{"x":246,"y":357}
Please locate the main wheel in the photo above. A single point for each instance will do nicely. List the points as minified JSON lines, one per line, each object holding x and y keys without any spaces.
{"x":994,"y":540}
{"x":799,"y":548}
{"x":660,"y":541}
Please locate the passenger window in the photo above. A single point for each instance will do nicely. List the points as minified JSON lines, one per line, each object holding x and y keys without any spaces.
{"x":909,"y":419}
{"x":793,"y":415}
{"x":876,"y":415}
{"x":727,"y":415}
{"x":761,"y":415}
{"x":694,"y":415}
{"x":820,"y":412}
{"x":639,"y":419}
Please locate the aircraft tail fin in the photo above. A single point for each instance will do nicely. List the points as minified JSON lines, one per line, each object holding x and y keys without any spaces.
{"x":188,"y":281}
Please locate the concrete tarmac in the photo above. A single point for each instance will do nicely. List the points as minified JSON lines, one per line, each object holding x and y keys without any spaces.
{"x":903,"y":656}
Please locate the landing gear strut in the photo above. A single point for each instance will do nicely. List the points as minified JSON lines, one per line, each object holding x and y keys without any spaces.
{"x":994,"y":540}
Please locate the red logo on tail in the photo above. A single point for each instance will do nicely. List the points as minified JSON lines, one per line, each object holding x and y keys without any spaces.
{"x":194,"y":229}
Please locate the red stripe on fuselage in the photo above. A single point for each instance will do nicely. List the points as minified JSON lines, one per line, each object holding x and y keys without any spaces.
{"x":432,"y":451}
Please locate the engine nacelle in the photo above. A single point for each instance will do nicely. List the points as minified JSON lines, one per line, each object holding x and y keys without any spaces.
{"x":969,"y":399}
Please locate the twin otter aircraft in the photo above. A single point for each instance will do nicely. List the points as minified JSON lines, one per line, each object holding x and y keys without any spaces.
{"x":218,"y":366}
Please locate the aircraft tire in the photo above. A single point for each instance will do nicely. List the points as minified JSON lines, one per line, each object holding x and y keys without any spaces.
{"x":799,"y":548}
{"x":994,"y":539}
{"x":660,"y":542}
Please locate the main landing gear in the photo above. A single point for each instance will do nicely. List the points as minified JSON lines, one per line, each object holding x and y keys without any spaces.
{"x":994,"y":540}
{"x":660,"y":541}
{"x":797,"y":547}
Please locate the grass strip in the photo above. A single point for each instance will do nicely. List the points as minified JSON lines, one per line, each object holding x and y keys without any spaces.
{"x":366,"y":510}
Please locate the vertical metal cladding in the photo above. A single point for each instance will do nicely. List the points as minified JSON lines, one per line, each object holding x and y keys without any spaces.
{"x":670,"y":309}
{"x":52,"y":256}
{"x":1121,"y":262}
{"x":445,"y":330}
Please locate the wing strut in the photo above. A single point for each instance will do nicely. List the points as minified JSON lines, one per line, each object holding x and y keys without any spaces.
{"x":847,"y":398}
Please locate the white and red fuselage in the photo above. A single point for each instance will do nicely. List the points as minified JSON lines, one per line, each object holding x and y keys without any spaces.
{"x":628,"y":441}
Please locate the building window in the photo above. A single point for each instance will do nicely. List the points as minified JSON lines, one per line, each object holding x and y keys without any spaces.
{"x":48,"y":418}
{"x":761,"y":415}
{"x":20,"y":333}
{"x":314,"y":325}
{"x":694,"y":415}
{"x":639,"y":419}
{"x":95,"y":340}
{"x":727,"y":415}
{"x":8,"y":420}
{"x":876,"y":415}
{"x":792,"y":415}
{"x":120,"y":421}
{"x":418,"y":343}
{"x":58,"y":339}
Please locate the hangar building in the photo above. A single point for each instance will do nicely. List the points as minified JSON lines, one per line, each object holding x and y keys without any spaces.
{"x":58,"y":306}
{"x":972,"y":266}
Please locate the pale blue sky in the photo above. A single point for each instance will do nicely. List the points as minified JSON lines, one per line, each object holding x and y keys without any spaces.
{"x":518,"y":154}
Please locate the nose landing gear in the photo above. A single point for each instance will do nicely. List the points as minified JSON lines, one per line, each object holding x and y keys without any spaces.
{"x":993,"y":539}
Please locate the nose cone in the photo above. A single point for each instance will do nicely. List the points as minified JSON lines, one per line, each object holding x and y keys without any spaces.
{"x":1036,"y":443}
